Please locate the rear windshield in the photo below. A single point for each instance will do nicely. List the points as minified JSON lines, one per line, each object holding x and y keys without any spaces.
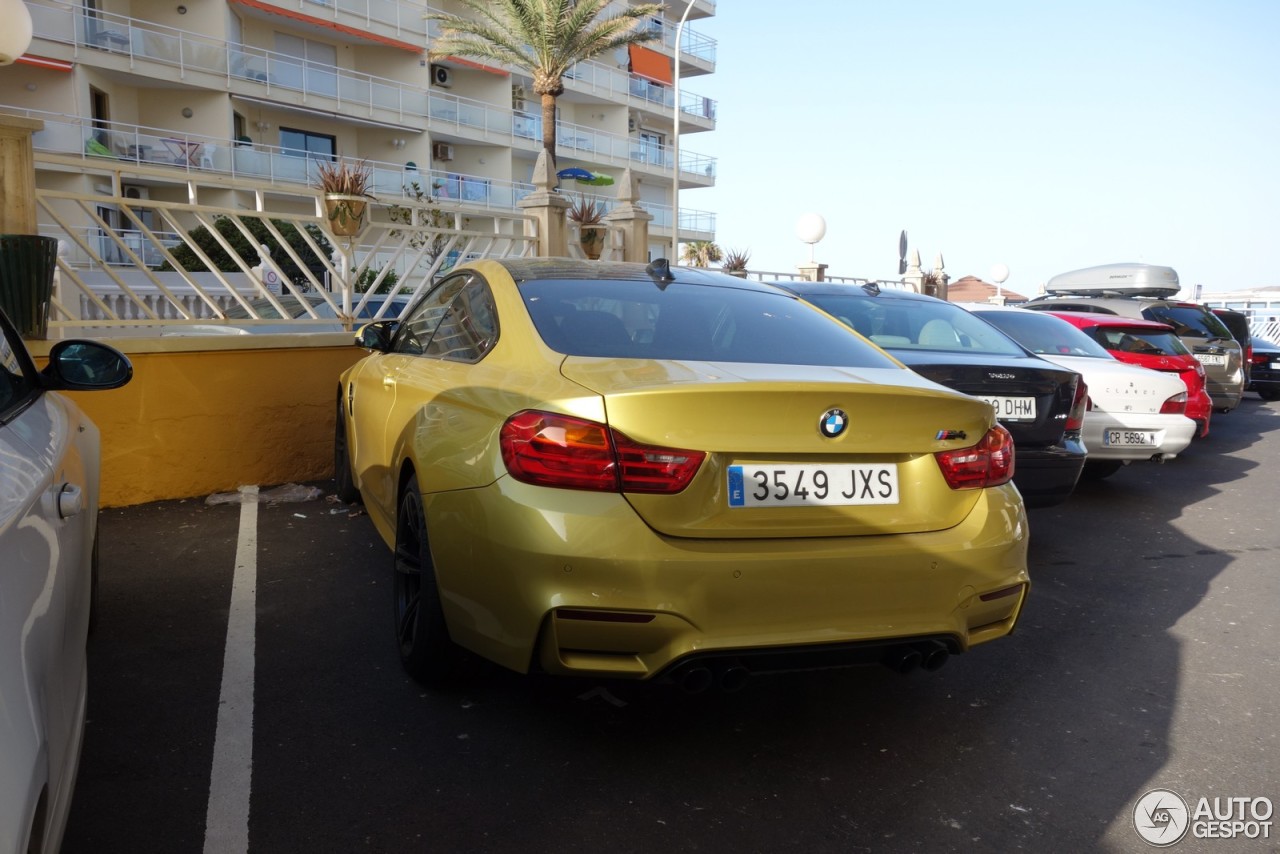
{"x":1144,"y":342}
{"x":640,"y":320}
{"x":908,"y":324}
{"x":1190,"y":320}
{"x":1044,"y":334}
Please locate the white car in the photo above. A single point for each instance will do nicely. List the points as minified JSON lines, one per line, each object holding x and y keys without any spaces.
{"x":1133,"y":413}
{"x":49,"y":458}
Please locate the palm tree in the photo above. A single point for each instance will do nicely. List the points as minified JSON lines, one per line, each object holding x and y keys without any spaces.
{"x":543,"y":38}
{"x":700,"y":253}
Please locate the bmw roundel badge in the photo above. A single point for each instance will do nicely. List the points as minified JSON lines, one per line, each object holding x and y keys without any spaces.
{"x":833,"y":423}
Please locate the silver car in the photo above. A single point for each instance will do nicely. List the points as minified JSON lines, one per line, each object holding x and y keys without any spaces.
{"x":49,"y":458}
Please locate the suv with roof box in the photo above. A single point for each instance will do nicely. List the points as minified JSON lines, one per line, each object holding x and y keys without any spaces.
{"x":1149,"y":291}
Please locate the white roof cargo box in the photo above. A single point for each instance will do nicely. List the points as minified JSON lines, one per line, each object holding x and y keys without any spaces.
{"x":1120,"y":279}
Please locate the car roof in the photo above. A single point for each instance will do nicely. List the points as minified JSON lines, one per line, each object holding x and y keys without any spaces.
{"x":871,"y":289}
{"x":1089,"y":318}
{"x":534,"y":269}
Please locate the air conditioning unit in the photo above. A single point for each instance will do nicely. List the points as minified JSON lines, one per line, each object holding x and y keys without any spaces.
{"x":633,"y":124}
{"x":441,"y":76}
{"x":441,"y":151}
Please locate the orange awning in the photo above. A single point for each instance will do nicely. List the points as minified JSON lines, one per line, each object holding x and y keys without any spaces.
{"x":488,"y":68}
{"x":44,"y":62}
{"x":332,"y":25}
{"x":650,"y":64}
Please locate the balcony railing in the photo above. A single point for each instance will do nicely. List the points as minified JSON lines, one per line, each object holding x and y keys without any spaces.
{"x":116,"y":144}
{"x":346,"y":90}
{"x":405,"y":19}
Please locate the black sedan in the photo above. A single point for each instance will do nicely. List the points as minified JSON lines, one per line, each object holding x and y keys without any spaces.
{"x":1265,"y":376}
{"x":1041,"y":404}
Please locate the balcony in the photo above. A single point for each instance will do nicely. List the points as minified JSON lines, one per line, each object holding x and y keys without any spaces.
{"x":349,"y":95}
{"x":165,"y":154}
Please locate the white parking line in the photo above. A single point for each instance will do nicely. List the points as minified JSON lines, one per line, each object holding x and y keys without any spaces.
{"x":227,"y":821}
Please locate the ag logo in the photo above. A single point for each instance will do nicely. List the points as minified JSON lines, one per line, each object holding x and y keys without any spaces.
{"x":1161,"y":817}
{"x":833,"y":423}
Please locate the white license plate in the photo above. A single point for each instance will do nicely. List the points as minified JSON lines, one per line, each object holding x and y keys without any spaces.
{"x":1013,"y":408}
{"x":812,"y":485}
{"x":1129,"y":437}
{"x":1275,"y":366}
{"x":1210,"y":359}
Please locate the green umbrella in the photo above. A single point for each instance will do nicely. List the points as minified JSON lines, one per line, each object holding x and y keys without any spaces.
{"x":597,"y":179}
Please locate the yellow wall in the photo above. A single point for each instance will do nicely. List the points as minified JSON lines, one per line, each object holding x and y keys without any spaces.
{"x":196,"y":421}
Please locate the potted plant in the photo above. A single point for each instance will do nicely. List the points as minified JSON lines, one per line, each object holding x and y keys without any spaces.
{"x":27,"y":263}
{"x":588,"y":213}
{"x":735,"y":262}
{"x":346,"y":194}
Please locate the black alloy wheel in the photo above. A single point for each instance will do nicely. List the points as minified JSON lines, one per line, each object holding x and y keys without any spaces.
{"x":343,"y":483}
{"x":426,"y":651}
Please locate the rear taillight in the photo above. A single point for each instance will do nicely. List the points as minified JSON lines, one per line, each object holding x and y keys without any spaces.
{"x":988,"y":463}
{"x":547,"y":449}
{"x":1259,"y":358}
{"x":1080,"y":403}
{"x":1176,"y":405}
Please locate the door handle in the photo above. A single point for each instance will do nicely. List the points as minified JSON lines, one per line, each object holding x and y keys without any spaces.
{"x":70,"y":500}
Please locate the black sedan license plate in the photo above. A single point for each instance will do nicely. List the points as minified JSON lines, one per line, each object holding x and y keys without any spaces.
{"x":820,"y":485}
{"x":1012,"y":408}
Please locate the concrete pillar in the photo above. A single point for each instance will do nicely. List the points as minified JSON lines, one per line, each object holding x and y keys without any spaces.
{"x":548,"y":210}
{"x":632,"y":220}
{"x":812,"y":271}
{"x":17,"y":174}
{"x":914,"y":275}
{"x":940,"y":273}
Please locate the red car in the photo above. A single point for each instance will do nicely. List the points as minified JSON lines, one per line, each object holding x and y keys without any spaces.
{"x":1151,"y":345}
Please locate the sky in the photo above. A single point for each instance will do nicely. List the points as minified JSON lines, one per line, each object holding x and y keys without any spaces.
{"x":1044,"y":136}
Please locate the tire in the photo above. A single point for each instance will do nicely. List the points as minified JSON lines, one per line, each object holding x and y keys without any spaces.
{"x":1269,"y":393}
{"x":343,"y":483}
{"x":1101,"y":469}
{"x":426,"y":651}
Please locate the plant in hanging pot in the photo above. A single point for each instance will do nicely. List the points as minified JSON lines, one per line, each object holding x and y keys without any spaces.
{"x":588,"y":213}
{"x":346,"y":194}
{"x":27,"y":264}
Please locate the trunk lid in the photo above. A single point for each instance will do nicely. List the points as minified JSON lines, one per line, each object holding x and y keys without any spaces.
{"x":767,"y":418}
{"x":1050,"y":386}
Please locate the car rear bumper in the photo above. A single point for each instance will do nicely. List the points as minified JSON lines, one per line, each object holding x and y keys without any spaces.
{"x":1047,"y":476}
{"x":1172,"y":434}
{"x":1225,"y":395}
{"x":578,"y":584}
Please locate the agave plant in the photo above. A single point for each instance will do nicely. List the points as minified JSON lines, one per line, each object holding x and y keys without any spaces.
{"x":585,"y":211}
{"x":344,"y":178}
{"x":346,"y":187}
{"x":735,"y":261}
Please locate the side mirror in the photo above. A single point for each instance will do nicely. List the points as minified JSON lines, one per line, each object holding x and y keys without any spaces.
{"x":85,"y":366}
{"x":377,"y":335}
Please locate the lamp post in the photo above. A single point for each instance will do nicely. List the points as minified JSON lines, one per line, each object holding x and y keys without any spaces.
{"x":15,"y":36}
{"x":675,"y":142}
{"x":999,"y":275}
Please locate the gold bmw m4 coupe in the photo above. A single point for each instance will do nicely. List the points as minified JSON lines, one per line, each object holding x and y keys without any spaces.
{"x":620,"y":470}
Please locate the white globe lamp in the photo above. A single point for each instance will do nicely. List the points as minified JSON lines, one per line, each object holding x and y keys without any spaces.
{"x":15,"y":35}
{"x":1000,"y":275}
{"x":811,"y":228}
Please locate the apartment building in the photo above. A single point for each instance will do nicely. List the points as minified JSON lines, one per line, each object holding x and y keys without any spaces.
{"x":232,"y":102}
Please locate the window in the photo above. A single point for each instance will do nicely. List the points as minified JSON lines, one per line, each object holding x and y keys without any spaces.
{"x":633,"y":319}
{"x":15,"y":380}
{"x":301,"y":143}
{"x":456,"y":321}
{"x":309,"y":66}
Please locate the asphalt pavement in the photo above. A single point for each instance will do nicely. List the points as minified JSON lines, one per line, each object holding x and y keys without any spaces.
{"x":1144,"y":660}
